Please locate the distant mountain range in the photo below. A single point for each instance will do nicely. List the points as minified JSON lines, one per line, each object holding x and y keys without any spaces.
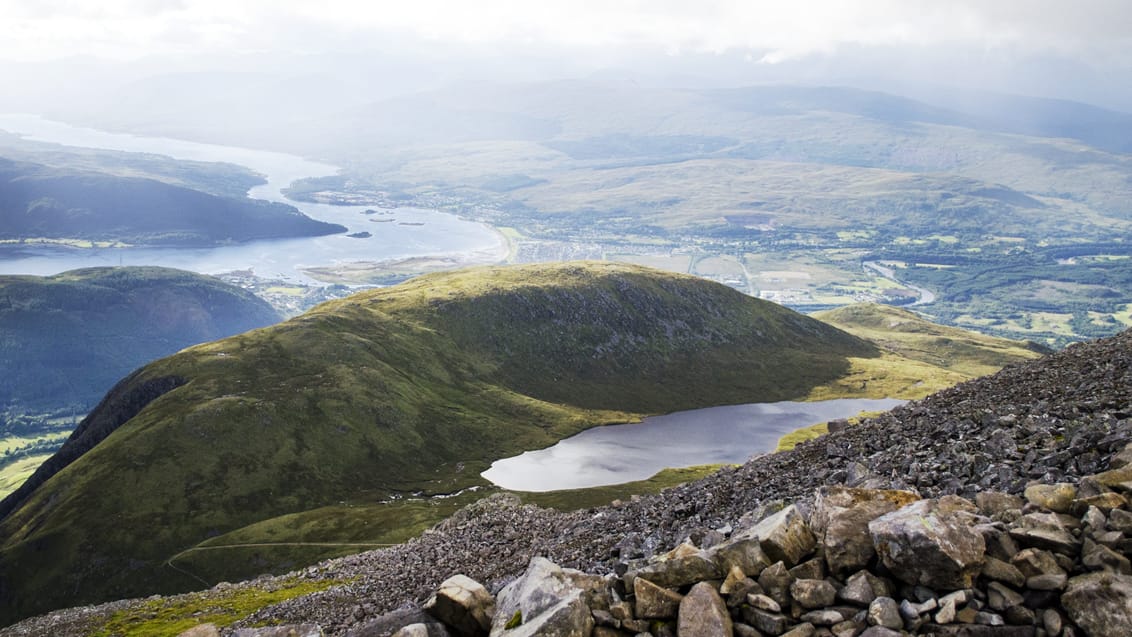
{"x":412,"y":389}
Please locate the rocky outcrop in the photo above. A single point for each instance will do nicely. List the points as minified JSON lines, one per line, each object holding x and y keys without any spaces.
{"x":464,"y":605}
{"x":937,"y":566}
{"x":930,"y":543}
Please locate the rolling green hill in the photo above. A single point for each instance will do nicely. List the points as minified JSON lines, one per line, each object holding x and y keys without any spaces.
{"x":412,"y":388}
{"x":39,"y":202}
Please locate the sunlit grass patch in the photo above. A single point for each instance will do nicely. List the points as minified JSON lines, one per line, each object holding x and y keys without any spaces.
{"x":171,"y":616}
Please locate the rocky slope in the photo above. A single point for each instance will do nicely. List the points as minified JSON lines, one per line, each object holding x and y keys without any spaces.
{"x":1061,"y":421}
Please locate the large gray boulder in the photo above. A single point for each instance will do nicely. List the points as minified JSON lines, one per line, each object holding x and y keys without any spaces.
{"x":1100,"y":603}
{"x":784,"y":536}
{"x":548,"y":601}
{"x":841,"y":519}
{"x":464,"y":605}
{"x":931,"y":543}
{"x":653,"y":601}
{"x":703,"y":614}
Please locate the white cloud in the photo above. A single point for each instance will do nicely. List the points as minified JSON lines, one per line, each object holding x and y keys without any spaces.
{"x":776,"y":30}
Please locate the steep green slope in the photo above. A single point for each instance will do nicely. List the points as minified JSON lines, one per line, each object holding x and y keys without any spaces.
{"x":411,"y":388}
{"x":38,"y":202}
{"x":66,"y":339}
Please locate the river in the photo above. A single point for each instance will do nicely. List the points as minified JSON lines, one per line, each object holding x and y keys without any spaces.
{"x":439,"y":233}
{"x":624,"y":453}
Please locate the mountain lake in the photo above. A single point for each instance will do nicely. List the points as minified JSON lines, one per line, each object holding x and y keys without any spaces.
{"x":616,"y":454}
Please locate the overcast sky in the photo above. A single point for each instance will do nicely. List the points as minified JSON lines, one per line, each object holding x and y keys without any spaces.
{"x":1078,"y":37}
{"x":39,"y":29}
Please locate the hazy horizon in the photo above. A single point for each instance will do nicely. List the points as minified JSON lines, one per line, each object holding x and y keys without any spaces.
{"x":71,"y":57}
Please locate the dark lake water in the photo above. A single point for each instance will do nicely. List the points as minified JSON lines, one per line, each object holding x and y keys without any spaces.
{"x":624,"y":453}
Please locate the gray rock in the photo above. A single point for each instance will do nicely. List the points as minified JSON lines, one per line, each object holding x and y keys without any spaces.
{"x":991,"y":503}
{"x":766,"y":621}
{"x":775,"y":582}
{"x":801,"y":630}
{"x":813,"y":593}
{"x":1047,"y":582}
{"x":1094,"y":520}
{"x":735,"y":580}
{"x":412,"y":630}
{"x":859,"y":589}
{"x":1031,"y":562}
{"x":880,"y":631}
{"x":1044,"y":531}
{"x":546,"y":601}
{"x":741,"y":630}
{"x":1100,"y":603}
{"x":1052,"y":621}
{"x":703,"y":614}
{"x":1121,"y":458}
{"x":841,"y":519}
{"x":655,"y":602}
{"x":1119,"y":479}
{"x":391,"y":622}
{"x":823,"y":617}
{"x":1000,"y":597}
{"x":203,"y":630}
{"x":884,"y":611}
{"x":298,"y":630}
{"x":784,"y":536}
{"x":1096,"y":557}
{"x":989,"y":619}
{"x":946,"y":612}
{"x":999,"y":543}
{"x":1120,"y":520}
{"x":930,"y":542}
{"x":1106,"y":502}
{"x":764,"y":602}
{"x":999,"y":571}
{"x":682,"y":569}
{"x":1053,"y":497}
{"x":464,"y":605}
{"x":810,"y":569}
{"x":743,"y":553}
{"x":1019,"y":616}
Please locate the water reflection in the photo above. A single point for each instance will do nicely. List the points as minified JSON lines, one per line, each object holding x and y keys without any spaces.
{"x":624,"y":453}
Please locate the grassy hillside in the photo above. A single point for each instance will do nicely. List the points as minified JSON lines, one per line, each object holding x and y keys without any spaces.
{"x":71,"y":336}
{"x":918,"y":357}
{"x":39,"y":202}
{"x":412,"y":388}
